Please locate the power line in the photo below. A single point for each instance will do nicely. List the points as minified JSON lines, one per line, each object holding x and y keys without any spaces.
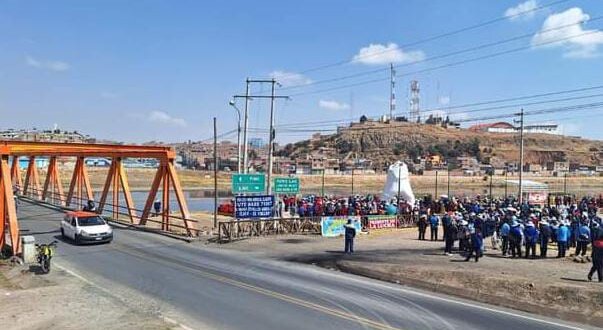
{"x":460,"y":106}
{"x":432,"y":38}
{"x":452,"y":64}
{"x":445,"y":55}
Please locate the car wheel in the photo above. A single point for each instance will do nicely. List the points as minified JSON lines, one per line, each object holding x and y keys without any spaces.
{"x":62,"y":232}
{"x":76,"y":239}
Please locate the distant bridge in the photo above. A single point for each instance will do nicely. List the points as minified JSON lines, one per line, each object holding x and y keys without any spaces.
{"x":80,"y":189}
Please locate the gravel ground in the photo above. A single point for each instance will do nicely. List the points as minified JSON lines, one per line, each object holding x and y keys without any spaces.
{"x":61,"y":301}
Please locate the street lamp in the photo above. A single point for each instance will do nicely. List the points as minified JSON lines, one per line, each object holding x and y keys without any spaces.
{"x":234,"y":105}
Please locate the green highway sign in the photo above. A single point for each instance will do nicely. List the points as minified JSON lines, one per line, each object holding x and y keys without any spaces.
{"x":286,"y":185}
{"x":248,"y":183}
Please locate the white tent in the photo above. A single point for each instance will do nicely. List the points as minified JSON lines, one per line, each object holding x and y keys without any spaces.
{"x":398,"y":181}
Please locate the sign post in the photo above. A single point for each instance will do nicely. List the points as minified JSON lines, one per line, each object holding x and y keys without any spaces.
{"x":286,"y":185}
{"x":248,"y":183}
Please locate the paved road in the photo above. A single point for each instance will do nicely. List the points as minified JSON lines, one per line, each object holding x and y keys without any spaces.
{"x":203,"y":287}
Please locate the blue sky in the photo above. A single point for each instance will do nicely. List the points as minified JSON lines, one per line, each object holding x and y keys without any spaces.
{"x":161,"y":70}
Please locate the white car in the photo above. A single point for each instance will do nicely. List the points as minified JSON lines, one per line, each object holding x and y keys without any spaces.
{"x":86,"y":227}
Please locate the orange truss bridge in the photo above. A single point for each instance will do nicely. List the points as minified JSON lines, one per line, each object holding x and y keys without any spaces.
{"x":80,"y":190}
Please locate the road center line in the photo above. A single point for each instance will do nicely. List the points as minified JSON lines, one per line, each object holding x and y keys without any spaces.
{"x":269,"y":293}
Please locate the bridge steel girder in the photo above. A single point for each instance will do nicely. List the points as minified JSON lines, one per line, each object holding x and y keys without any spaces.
{"x":165,"y":180}
{"x":8,"y":210}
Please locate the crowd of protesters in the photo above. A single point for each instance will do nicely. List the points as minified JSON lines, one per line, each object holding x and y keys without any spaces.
{"x":519,"y":231}
{"x":356,"y":205}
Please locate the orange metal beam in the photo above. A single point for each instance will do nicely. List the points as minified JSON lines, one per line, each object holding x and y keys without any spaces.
{"x":15,"y":173}
{"x":32,"y":178}
{"x":116,"y":173}
{"x":27,"y":148}
{"x":152,"y":193}
{"x":179,"y":196}
{"x":127,"y":194}
{"x":106,"y":188}
{"x":8,"y":214}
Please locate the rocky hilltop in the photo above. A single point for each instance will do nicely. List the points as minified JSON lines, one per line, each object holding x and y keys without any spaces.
{"x":386,"y":142}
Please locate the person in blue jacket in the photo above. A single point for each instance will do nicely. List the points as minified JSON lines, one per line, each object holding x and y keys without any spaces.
{"x":434,"y":223}
{"x":583,"y":239}
{"x":515,"y":239}
{"x":544,"y":237}
{"x":531,"y":237}
{"x":477,"y":244}
{"x":504,"y":235}
{"x":563,"y":234}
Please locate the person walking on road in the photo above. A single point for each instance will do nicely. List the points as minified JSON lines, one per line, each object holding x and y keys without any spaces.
{"x":597,"y":253}
{"x":562,"y":238}
{"x":434,"y":223}
{"x":422,"y":224}
{"x":350,"y":233}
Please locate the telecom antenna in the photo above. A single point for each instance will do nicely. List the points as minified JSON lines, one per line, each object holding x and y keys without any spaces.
{"x":415,"y":111}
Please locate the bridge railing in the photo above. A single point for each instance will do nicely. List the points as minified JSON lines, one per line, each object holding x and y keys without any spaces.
{"x":171,"y":226}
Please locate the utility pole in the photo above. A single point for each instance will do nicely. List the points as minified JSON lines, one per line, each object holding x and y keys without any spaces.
{"x":392,"y":92}
{"x":234,"y":105}
{"x":246,"y":125}
{"x":435,"y":197}
{"x":506,"y":173}
{"x":353,"y":181}
{"x":247,"y":98}
{"x":520,"y":198}
{"x":323,"y":183}
{"x":448,"y":182}
{"x":215,"y":174}
{"x":491,"y":171}
{"x":271,"y":140}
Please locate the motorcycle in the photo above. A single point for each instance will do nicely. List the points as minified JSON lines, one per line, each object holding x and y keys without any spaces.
{"x":45,"y":252}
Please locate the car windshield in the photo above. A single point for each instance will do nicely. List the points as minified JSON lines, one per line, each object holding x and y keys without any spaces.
{"x":91,"y":221}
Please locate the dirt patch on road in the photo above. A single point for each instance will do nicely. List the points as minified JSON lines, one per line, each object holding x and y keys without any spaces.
{"x":61,"y":301}
{"x":551,"y":287}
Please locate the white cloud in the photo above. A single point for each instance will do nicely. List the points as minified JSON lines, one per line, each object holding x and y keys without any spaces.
{"x":290,"y":78}
{"x":47,"y":64}
{"x":333,"y":105}
{"x":586,"y":43}
{"x":384,"y":54}
{"x":164,"y":118}
{"x":524,"y":10}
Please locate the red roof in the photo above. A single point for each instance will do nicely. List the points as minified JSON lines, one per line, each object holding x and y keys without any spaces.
{"x":82,"y":214}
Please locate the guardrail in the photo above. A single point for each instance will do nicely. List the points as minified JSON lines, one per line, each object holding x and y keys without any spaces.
{"x":229,"y":231}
